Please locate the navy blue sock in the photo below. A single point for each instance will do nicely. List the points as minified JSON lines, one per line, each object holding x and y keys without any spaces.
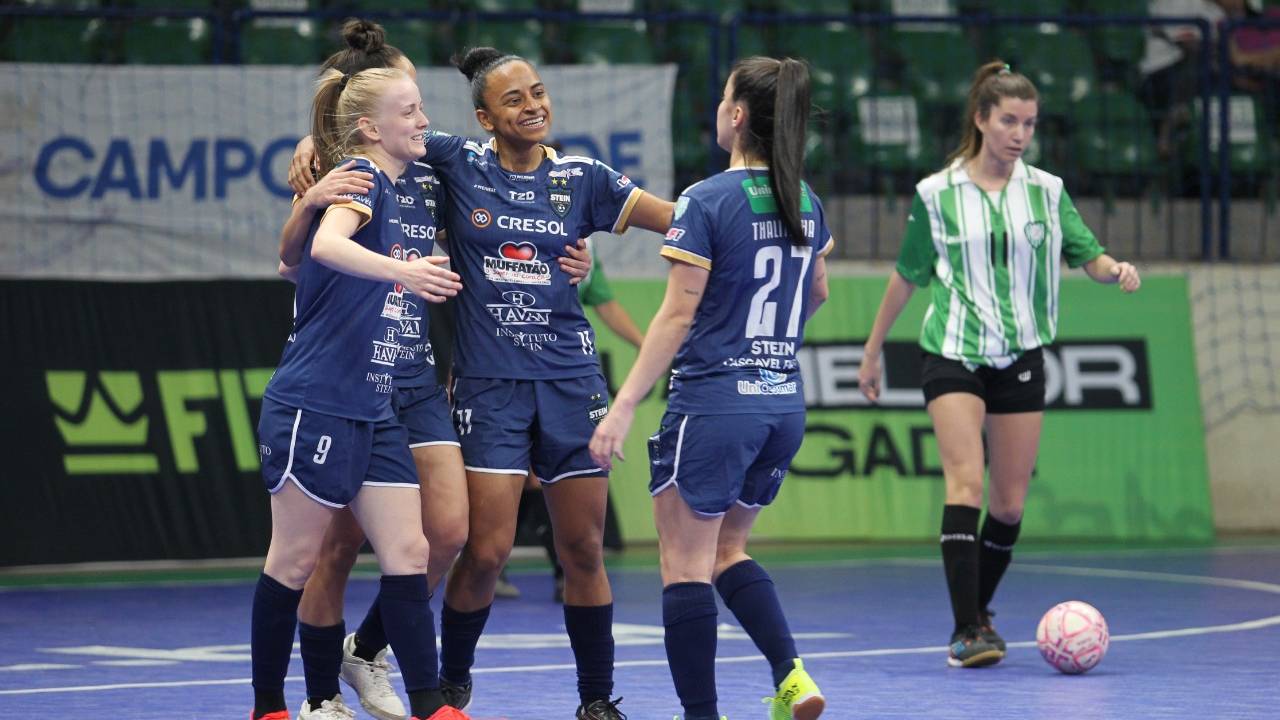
{"x":459,"y":633}
{"x":960,"y":562}
{"x":371,"y":638}
{"x":689,"y":615}
{"x":321,"y":649}
{"x":411,"y":628}
{"x":590,"y":630}
{"x":748,"y":592}
{"x":275,"y":616}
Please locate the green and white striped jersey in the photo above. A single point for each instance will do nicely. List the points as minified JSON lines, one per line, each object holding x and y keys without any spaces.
{"x":993,"y":261}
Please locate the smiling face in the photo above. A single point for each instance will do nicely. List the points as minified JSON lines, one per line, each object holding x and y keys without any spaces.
{"x":1008,"y":128}
{"x":517,"y":107}
{"x":399,"y":125}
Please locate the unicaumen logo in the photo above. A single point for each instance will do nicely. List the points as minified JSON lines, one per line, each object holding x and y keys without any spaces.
{"x":481,"y":218}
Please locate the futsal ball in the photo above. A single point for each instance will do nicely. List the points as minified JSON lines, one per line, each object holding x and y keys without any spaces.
{"x":1073,"y":637}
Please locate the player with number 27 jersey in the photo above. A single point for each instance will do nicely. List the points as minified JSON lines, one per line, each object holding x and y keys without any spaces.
{"x":740,"y":354}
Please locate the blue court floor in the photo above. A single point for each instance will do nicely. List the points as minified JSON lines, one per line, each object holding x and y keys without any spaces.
{"x":1195,"y":634}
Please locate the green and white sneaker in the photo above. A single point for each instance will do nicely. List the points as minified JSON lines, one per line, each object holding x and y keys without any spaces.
{"x":798,"y":697}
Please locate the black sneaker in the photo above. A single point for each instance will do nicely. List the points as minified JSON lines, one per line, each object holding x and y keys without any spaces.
{"x":458,"y":696}
{"x":988,"y":629}
{"x":970,"y":649}
{"x":601,"y":710}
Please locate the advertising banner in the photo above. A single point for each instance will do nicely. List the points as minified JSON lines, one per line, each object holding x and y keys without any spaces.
{"x":130,"y":412}
{"x":133,"y":172}
{"x":1121,"y":457}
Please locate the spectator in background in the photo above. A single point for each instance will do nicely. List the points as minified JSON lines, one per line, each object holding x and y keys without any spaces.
{"x":1255,"y":53}
{"x":1170,"y":65}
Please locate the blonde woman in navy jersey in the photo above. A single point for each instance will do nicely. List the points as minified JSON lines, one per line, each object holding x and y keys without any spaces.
{"x":528,"y":388}
{"x":327,"y":433}
{"x":987,"y":234}
{"x":420,"y":405}
{"x":747,"y":252}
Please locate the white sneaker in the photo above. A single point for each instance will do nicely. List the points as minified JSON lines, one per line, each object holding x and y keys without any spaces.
{"x":334,"y":709}
{"x":370,"y":681}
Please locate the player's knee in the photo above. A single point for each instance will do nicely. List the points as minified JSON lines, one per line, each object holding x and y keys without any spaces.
{"x":448,"y":541}
{"x":404,"y":556}
{"x":339,"y":554}
{"x":583,"y":554}
{"x":962,"y":489}
{"x":486,"y":559}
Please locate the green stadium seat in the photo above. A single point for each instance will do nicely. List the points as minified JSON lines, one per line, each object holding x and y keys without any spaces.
{"x":888,"y":134}
{"x":501,"y":5}
{"x":54,"y":40}
{"x":1119,"y":43}
{"x":815,"y":7}
{"x":414,"y":38}
{"x":167,"y":41}
{"x":940,"y":8}
{"x":828,"y":49}
{"x":938,"y":66}
{"x":1113,"y":136}
{"x":618,"y":42}
{"x":1251,"y":144}
{"x":1059,"y":63}
{"x":519,"y":37}
{"x":1022,"y":7}
{"x":268,"y":41}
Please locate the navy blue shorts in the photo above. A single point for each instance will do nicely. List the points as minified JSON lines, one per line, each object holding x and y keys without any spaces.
{"x":717,"y":460}
{"x":329,"y":458}
{"x":506,"y":426}
{"x":424,"y":411}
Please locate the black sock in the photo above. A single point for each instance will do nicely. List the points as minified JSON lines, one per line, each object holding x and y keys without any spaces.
{"x":994,"y":555}
{"x":426,"y":702}
{"x":590,"y":630}
{"x":960,"y":561}
{"x":371,"y":638}
{"x":459,"y":633}
{"x":275,"y":617}
{"x":748,"y":592}
{"x":411,"y":628}
{"x":321,"y":649}
{"x":689,"y":617}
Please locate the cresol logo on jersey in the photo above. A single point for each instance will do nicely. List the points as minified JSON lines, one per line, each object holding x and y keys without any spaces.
{"x":518,"y":263}
{"x":69,"y":167}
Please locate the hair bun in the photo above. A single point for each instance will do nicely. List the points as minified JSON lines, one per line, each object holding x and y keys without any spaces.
{"x":473,"y":60}
{"x":364,"y":35}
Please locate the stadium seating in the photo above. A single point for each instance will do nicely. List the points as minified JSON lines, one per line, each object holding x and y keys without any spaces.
{"x":612,"y":42}
{"x":1059,"y":63}
{"x":1112,"y":135}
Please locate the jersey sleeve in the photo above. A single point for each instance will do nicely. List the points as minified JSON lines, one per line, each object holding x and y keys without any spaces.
{"x":1079,"y":245}
{"x":689,"y":239}
{"x":594,"y":289}
{"x":823,"y":240}
{"x":359,"y":202}
{"x":613,"y":196}
{"x":918,"y":254}
{"x":444,"y":149}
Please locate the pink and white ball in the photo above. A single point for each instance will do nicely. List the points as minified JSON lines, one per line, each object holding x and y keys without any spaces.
{"x":1073,"y":637}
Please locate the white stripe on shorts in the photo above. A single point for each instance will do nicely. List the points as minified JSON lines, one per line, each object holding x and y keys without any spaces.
{"x":435,"y":442}
{"x":288,"y":468}
{"x":497,"y":471}
{"x":571,"y":474}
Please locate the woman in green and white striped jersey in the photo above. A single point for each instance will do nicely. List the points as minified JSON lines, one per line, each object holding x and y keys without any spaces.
{"x":987,"y":235}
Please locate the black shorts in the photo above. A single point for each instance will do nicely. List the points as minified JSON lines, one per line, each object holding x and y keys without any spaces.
{"x":1016,"y":389}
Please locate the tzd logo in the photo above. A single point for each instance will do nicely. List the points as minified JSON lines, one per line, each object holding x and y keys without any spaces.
{"x":114,"y":422}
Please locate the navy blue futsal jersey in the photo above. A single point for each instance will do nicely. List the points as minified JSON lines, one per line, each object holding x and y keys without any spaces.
{"x":341,"y":355}
{"x":421,"y":201}
{"x":519,"y":318}
{"x":740,"y":355}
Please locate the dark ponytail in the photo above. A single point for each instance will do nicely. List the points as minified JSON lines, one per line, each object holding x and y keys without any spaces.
{"x":776,"y":93}
{"x":476,"y":64}
{"x":366,"y":48}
